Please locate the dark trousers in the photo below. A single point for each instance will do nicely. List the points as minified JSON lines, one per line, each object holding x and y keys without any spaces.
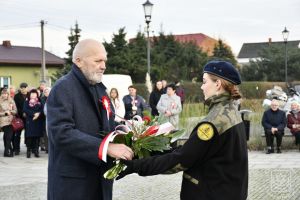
{"x":17,"y":140}
{"x":44,"y":141}
{"x":32,"y":143}
{"x":270,"y":138}
{"x":297,"y":138}
{"x":7,"y":137}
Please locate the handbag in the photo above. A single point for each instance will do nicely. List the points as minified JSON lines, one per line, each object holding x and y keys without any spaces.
{"x":17,"y":124}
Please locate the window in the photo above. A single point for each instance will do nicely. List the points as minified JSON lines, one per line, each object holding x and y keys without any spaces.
{"x":4,"y":81}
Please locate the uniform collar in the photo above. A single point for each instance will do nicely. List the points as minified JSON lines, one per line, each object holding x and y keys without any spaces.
{"x":215,"y":99}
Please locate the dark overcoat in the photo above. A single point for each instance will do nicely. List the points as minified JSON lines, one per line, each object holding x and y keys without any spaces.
{"x":34,"y":128}
{"x":77,"y":123}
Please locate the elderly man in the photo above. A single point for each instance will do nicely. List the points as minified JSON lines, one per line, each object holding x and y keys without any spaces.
{"x":79,"y":115}
{"x":274,"y":122}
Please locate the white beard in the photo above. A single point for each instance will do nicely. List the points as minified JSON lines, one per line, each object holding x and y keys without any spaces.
{"x":92,"y":77}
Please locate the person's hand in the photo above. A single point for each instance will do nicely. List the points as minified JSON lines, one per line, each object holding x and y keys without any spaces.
{"x":128,"y":170}
{"x":120,"y":151}
{"x":273,"y":130}
{"x":35,"y":116}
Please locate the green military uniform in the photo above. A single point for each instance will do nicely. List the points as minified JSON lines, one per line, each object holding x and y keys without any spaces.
{"x":214,"y":159}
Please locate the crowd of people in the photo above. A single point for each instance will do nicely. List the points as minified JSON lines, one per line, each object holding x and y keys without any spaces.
{"x":165,"y":101}
{"x":28,"y":105}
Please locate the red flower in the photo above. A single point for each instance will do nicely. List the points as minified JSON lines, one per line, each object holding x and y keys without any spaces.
{"x":147,"y":119}
{"x":150,"y":131}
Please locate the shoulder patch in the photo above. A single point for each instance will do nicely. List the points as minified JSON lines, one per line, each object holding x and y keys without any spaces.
{"x":205,"y":131}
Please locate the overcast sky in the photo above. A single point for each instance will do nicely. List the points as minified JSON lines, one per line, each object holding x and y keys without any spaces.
{"x":235,"y":21}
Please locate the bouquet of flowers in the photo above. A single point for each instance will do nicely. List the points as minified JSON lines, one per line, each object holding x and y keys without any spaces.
{"x":143,"y":136}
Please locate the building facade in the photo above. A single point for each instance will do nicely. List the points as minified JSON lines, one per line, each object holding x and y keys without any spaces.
{"x":23,"y":64}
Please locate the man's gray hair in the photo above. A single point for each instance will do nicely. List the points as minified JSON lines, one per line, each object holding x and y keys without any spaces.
{"x":81,"y":48}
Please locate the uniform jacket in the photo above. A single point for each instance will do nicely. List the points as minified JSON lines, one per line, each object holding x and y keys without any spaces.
{"x":77,"y":122}
{"x":214,"y":159}
{"x":293,"y":119}
{"x":139,"y":103}
{"x":276,"y":119}
{"x":5,"y":106}
{"x":172,"y":104}
{"x":34,"y":128}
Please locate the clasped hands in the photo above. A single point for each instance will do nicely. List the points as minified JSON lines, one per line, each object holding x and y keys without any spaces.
{"x":274,"y":130}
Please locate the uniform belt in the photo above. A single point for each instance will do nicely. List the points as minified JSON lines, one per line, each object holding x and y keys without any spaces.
{"x":190,"y":178}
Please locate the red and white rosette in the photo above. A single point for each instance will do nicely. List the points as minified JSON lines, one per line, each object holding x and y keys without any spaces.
{"x":106,"y":106}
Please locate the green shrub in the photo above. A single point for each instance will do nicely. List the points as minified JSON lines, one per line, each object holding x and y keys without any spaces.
{"x":193,"y":92}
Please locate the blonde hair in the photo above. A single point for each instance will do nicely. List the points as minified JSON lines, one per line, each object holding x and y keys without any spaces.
{"x":228,"y":86}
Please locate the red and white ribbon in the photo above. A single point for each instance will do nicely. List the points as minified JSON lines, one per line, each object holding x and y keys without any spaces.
{"x":102,"y":153}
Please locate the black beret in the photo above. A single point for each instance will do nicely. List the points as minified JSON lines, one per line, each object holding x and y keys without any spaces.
{"x":224,"y":70}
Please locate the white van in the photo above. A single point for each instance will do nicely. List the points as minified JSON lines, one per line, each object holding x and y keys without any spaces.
{"x":119,"y":81}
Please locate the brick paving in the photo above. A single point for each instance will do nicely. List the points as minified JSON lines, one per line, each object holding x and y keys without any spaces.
{"x":271,"y":177}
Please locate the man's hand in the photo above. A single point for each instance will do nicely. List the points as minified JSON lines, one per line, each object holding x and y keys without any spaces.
{"x":120,"y":151}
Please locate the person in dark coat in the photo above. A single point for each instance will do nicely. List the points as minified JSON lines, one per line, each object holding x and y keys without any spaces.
{"x":19,"y":98}
{"x":214,"y":160}
{"x":180,"y":92}
{"x":79,"y":116}
{"x":274,"y":122}
{"x":154,"y":98}
{"x":33,"y":109}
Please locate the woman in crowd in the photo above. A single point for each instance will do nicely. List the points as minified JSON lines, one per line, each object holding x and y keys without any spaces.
{"x":117,"y":104}
{"x":169,"y":105}
{"x":214,"y":159}
{"x":44,"y":139}
{"x":33,"y":110}
{"x":7,"y":110}
{"x":293,"y":122}
{"x":154,"y":98}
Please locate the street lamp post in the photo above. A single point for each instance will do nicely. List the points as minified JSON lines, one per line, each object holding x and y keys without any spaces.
{"x":148,"y":10}
{"x":285,"y":34}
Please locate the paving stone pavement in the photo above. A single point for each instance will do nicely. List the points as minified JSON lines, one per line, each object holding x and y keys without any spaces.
{"x":271,"y":177}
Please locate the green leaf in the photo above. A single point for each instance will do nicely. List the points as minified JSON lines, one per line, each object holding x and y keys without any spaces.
{"x":176,"y":135}
{"x":128,"y":139}
{"x":114,"y":171}
{"x":155,"y":143}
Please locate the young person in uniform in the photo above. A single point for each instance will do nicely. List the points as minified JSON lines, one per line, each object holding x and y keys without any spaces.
{"x":214,"y":159}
